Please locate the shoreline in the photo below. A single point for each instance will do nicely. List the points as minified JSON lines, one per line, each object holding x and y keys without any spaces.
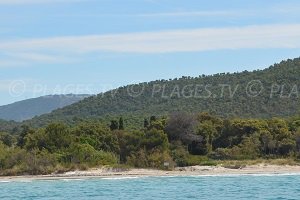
{"x":108,"y":173}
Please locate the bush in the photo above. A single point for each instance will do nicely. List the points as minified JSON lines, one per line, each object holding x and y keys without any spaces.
{"x":200,"y":160}
{"x":153,"y":159}
{"x":180,"y":156}
{"x":286,"y":146}
{"x":138,"y":159}
{"x":157,"y":158}
{"x":85,"y":153}
{"x":33,"y":162}
{"x":39,"y":162}
{"x":221,"y":154}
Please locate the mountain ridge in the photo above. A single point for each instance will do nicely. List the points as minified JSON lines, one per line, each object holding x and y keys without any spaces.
{"x":29,"y":108}
{"x":127,"y":101}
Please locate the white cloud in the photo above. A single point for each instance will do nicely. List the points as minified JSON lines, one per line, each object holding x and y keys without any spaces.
{"x":72,"y":49}
{"x":264,"y":36}
{"x":17,"y":59}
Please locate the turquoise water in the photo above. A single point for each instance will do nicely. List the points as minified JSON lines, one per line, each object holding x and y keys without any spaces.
{"x":193,"y":187}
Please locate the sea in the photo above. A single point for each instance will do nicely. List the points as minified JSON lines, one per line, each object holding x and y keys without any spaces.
{"x":223,"y":187}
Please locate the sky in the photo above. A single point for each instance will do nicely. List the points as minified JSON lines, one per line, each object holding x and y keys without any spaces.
{"x":91,"y":46}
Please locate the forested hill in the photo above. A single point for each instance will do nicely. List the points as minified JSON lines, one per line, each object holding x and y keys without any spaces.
{"x":29,"y":108}
{"x":258,"y":94}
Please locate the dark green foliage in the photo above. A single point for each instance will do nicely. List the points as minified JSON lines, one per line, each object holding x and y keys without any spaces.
{"x":26,"y":130}
{"x":129,"y":142}
{"x":152,"y":119}
{"x":121,"y":124}
{"x":10,"y":126}
{"x":58,"y":137}
{"x":146,"y":123}
{"x":114,"y":125}
{"x":7,"y":139}
{"x":155,"y":139}
{"x":179,"y":154}
{"x":96,"y":135}
{"x":210,"y":128}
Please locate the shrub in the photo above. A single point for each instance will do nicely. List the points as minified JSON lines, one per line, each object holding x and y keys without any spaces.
{"x":85,"y":153}
{"x":179,"y":155}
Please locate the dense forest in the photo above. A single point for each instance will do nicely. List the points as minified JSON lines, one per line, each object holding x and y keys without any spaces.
{"x":273,"y":92}
{"x":180,"y":139}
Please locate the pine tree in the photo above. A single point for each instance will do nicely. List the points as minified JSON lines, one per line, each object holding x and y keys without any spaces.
{"x":146,"y":123}
{"x":121,"y":124}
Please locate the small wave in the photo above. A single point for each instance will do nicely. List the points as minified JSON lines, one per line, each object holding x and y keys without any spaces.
{"x":165,"y":176}
{"x":24,"y":181}
{"x":71,"y":179}
{"x":120,"y":178}
{"x":46,"y":180}
{"x":5,"y":181}
{"x":274,"y":174}
{"x":236,"y":175}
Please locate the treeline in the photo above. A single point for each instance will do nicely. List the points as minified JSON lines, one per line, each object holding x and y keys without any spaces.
{"x":162,"y":142}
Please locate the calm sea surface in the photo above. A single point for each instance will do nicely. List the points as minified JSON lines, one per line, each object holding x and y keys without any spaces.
{"x":192,"y":187}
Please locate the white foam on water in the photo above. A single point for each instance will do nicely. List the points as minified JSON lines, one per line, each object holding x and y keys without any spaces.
{"x":5,"y":181}
{"x":47,"y":180}
{"x":171,"y":176}
{"x":120,"y":178}
{"x":203,"y":175}
{"x":237,"y":175}
{"x":274,"y":174}
{"x":24,"y":181}
{"x":225,"y":175}
{"x":71,"y":179}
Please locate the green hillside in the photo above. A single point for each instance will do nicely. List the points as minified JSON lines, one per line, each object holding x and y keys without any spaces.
{"x":259,"y":94}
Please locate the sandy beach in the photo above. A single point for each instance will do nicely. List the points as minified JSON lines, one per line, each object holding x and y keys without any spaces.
{"x":180,"y":171}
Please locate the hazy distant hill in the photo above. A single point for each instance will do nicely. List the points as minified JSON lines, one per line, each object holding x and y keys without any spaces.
{"x":262,"y":93}
{"x":29,"y":108}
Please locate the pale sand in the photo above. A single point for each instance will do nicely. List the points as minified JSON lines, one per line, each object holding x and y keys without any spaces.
{"x":183,"y":171}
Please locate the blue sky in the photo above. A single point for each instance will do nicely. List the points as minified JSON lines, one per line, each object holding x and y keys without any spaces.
{"x":89,"y":46}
